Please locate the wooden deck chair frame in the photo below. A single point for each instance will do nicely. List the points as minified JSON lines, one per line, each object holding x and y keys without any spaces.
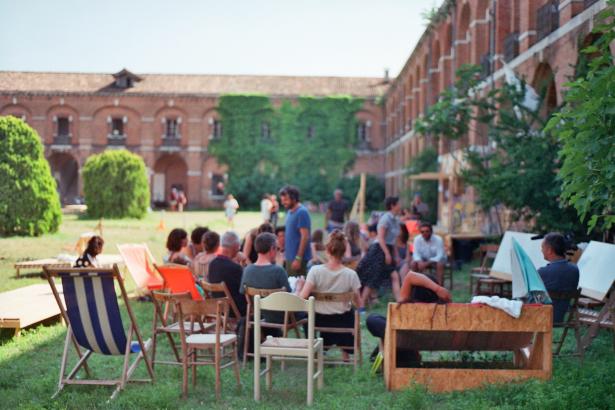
{"x":196,"y":311}
{"x":211,"y":288}
{"x":164,"y":303}
{"x":482,"y":272}
{"x":596,"y":320}
{"x":279,"y":347}
{"x":147,"y":280}
{"x":289,"y":318}
{"x":178,"y":274}
{"x":571,"y":321}
{"x":88,"y":300}
{"x":355,"y":331}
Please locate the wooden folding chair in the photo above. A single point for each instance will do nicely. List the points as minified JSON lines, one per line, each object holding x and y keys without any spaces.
{"x":596,"y":320}
{"x":140,"y":264}
{"x":92,"y":314}
{"x":163,"y":303}
{"x":355,"y":331}
{"x":178,"y":279}
{"x":482,"y":272}
{"x":289,"y":318}
{"x":571,"y":321}
{"x":191,"y":311}
{"x":215,"y":289}
{"x":279,"y":347}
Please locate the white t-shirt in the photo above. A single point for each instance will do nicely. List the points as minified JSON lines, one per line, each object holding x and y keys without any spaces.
{"x":326,"y":281}
{"x":265,"y":206}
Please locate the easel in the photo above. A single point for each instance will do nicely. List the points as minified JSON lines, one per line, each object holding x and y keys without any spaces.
{"x":358,"y":207}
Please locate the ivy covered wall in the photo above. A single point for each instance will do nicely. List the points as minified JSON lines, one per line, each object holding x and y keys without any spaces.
{"x":309,"y":142}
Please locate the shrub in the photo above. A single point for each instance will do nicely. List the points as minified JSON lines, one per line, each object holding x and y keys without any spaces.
{"x":29,"y":202}
{"x":115,"y":185}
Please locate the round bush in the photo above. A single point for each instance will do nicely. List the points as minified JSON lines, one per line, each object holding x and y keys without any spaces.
{"x":115,"y":185}
{"x":29,"y":201}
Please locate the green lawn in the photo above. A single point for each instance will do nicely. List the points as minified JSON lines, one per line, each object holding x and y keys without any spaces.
{"x":29,"y":364}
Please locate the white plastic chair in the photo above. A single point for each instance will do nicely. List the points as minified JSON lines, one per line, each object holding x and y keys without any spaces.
{"x":310,"y":348}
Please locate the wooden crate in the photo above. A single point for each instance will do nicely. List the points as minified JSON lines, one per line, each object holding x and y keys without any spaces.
{"x":467,"y":327}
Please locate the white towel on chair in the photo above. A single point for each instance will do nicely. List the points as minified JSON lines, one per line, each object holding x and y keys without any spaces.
{"x":512,"y":307}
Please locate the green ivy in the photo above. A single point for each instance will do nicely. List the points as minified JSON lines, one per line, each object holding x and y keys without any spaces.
{"x":311,"y":144}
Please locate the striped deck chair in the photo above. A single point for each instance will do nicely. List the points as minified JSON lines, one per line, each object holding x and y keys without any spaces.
{"x":140,"y":264}
{"x":92,"y":314}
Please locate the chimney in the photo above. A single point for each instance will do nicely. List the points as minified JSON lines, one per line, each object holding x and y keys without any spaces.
{"x":386,"y":76}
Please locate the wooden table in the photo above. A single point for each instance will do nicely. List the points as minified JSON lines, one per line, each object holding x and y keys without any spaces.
{"x":27,"y":306}
{"x":466,"y":327}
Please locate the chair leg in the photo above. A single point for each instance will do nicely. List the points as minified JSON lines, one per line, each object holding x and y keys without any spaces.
{"x":257,"y":376}
{"x":321,"y":365}
{"x":268,"y":372}
{"x":310,"y":380}
{"x":185,"y":374}
{"x":246,"y":340}
{"x":217,"y":364}
{"x":194,"y":359}
{"x":236,"y":365}
{"x":560,"y":342}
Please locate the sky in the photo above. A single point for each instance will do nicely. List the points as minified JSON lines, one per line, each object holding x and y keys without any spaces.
{"x":275,"y":37}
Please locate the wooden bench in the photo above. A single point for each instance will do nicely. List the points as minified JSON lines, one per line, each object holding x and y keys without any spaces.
{"x":466,"y":327}
{"x":27,"y":306}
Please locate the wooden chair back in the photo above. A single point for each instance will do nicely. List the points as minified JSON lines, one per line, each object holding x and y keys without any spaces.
{"x":178,"y":279}
{"x":284,"y":302}
{"x":212,"y":288}
{"x":333,"y":297}
{"x":196,"y":311}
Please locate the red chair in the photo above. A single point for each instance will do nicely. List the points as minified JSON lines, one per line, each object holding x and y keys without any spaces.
{"x":179,"y":279}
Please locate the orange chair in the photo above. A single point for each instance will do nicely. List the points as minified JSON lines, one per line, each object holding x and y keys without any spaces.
{"x":139,"y":262}
{"x":179,"y":279}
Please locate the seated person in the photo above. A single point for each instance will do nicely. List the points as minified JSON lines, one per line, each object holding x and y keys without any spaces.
{"x":247,"y":247}
{"x":88,"y":259}
{"x":196,"y":242}
{"x":428,"y":251}
{"x":559,"y":275}
{"x":318,"y":248}
{"x":223,"y":269}
{"x":333,"y":277}
{"x":264,"y":273}
{"x":415,"y":288}
{"x":200,"y":264}
{"x":177,"y":239}
{"x":280,"y":233}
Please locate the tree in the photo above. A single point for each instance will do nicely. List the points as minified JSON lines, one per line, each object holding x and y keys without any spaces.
{"x":585,"y":127}
{"x":29,"y":202}
{"x":115,"y":185}
{"x":516,"y":164}
{"x":426,"y":161}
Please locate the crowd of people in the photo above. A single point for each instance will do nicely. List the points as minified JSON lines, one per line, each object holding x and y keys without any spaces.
{"x":341,"y":257}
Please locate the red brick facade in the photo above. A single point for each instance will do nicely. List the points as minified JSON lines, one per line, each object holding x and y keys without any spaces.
{"x":539,"y":40}
{"x":76,"y":114}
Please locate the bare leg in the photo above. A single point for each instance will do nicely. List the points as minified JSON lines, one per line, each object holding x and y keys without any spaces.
{"x":365,"y":295}
{"x":395,"y":285}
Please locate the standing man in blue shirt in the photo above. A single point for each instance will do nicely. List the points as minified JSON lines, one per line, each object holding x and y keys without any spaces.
{"x":298,"y":224}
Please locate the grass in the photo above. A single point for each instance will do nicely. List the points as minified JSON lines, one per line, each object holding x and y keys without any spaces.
{"x":29,"y":364}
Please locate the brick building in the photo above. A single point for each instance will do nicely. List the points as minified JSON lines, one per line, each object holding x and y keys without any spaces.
{"x":538,"y":39}
{"x":169,"y":119}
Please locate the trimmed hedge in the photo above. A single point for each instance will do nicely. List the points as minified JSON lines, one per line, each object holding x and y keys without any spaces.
{"x":29,"y":201}
{"x":115,"y":185}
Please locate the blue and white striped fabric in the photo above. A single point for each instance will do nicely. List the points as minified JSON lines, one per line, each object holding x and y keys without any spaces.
{"x":93,"y":311}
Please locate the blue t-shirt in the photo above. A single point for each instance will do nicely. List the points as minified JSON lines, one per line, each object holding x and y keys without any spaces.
{"x":299,"y":218}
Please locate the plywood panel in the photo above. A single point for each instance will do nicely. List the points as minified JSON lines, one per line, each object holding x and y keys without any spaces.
{"x":597,"y":269}
{"x":468,"y":317}
{"x":501,"y":268}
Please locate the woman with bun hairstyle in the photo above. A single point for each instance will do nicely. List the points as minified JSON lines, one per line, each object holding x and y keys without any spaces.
{"x":333,"y":277}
